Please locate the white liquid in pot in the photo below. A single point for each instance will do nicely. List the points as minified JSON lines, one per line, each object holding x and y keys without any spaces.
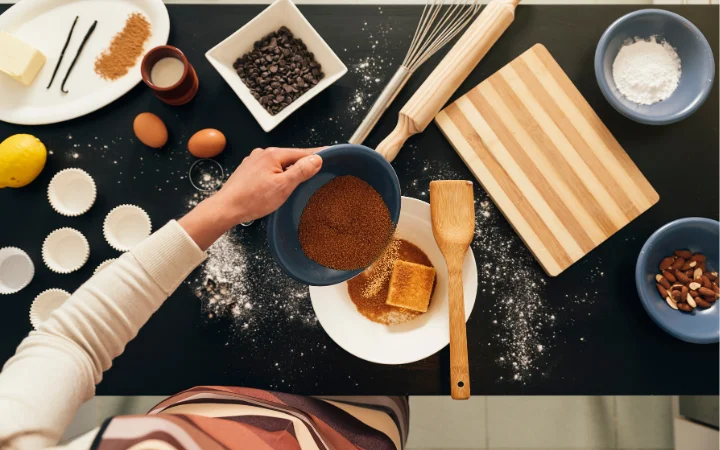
{"x":167,"y":72}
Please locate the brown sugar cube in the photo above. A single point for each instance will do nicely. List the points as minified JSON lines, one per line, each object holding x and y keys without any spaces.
{"x":411,"y":286}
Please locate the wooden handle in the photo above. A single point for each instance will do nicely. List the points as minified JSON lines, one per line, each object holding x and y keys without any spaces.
{"x":455,"y":67}
{"x":459,"y":367}
{"x":391,"y":145}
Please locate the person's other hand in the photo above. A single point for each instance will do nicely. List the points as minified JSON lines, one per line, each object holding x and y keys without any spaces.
{"x":259,"y":186}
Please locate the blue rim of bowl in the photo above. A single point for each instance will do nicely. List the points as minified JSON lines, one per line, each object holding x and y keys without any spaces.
{"x":611,"y":98}
{"x":351,"y":273}
{"x":640,"y":274}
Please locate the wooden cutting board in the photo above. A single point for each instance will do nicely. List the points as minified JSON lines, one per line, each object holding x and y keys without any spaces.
{"x":546,"y":159}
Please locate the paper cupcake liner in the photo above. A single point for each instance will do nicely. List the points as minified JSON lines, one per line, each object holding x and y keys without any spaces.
{"x":45,"y":303}
{"x":72,"y":192}
{"x":65,"y":250}
{"x":16,"y":270}
{"x":103,"y":265}
{"x":126,"y":226}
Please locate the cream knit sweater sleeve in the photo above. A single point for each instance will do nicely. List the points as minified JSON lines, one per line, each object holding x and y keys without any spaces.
{"x":56,"y":368}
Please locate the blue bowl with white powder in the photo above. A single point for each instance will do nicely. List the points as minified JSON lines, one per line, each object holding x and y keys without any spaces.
{"x":654,"y":67}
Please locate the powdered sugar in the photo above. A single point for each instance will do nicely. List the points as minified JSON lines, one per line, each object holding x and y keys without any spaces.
{"x":646,"y":71}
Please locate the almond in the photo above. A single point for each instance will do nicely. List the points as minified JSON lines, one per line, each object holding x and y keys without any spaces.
{"x":694,"y":294}
{"x":663,"y":292}
{"x":705,"y":292}
{"x":694,"y":286}
{"x":685,"y":307}
{"x":665,"y":283}
{"x":709,"y":298}
{"x":705,"y":281}
{"x":685,"y":254}
{"x":712,"y":275}
{"x":678,"y":263}
{"x":670,"y":277}
{"x":676,"y":295}
{"x":702,"y":303}
{"x":684,"y":291}
{"x":690,"y":301}
{"x":667,"y":262}
{"x":688,"y":273}
{"x":671,"y":303}
{"x":681,"y":277}
{"x":697,"y":274}
{"x":699,"y":257}
{"x":701,"y":266}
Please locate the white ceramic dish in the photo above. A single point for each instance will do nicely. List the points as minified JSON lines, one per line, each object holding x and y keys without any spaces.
{"x":411,"y":341}
{"x":45,"y":24}
{"x":281,"y":12}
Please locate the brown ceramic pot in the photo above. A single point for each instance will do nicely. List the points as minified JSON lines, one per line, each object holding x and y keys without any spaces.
{"x":181,"y":92}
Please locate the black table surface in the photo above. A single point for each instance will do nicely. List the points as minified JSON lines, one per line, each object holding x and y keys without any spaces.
{"x":583,"y":332}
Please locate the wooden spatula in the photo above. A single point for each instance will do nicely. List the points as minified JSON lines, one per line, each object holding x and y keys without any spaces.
{"x":452,"y":209}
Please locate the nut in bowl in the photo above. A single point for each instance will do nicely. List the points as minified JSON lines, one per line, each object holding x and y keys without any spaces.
{"x":684,"y":256}
{"x":278,"y":59}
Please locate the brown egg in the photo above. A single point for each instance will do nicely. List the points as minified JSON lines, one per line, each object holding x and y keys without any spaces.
{"x":207,"y":143}
{"x":150,"y":129}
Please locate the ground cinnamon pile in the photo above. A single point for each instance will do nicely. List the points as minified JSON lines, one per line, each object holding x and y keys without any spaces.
{"x":345,"y":225}
{"x":370,"y":301}
{"x":125,"y":48}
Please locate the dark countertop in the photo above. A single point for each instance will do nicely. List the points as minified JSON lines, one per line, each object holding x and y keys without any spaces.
{"x":583,"y":332}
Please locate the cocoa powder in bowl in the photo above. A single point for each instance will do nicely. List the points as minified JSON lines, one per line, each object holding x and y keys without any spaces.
{"x":345,"y":224}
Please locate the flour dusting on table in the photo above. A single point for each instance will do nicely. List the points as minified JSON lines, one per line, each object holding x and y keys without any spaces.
{"x":242,"y":283}
{"x":510,"y":283}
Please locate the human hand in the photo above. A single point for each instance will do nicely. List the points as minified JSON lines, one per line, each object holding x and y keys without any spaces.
{"x":265,"y":179}
{"x":259,"y":186}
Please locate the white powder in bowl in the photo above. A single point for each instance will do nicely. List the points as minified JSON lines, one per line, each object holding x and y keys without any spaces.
{"x":646,"y":71}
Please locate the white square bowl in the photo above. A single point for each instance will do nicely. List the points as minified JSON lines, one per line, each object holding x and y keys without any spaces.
{"x":280,"y":13}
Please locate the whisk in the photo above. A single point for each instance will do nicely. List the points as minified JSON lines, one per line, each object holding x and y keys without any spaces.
{"x":438,"y":25}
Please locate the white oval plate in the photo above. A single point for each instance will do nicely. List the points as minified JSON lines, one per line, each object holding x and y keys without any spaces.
{"x":45,"y":24}
{"x":411,"y":341}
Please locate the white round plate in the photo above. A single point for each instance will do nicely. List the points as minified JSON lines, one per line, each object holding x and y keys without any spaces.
{"x":411,"y":341}
{"x":45,"y":25}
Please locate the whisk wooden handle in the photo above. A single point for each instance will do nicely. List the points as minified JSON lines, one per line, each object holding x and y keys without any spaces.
{"x":455,"y":67}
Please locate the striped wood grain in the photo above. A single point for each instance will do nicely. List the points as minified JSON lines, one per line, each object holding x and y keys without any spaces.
{"x":546,"y":159}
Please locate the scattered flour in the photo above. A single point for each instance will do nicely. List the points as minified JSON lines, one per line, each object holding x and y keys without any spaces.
{"x":235,"y":271}
{"x":508,"y":276}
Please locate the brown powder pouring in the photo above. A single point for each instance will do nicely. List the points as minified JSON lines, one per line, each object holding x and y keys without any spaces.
{"x":345,"y":224}
{"x":125,"y":48}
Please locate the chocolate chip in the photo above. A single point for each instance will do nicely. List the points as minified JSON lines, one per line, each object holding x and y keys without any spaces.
{"x":278,"y":70}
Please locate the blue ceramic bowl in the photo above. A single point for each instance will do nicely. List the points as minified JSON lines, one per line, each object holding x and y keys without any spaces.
{"x":702,"y":326}
{"x":282,"y":225}
{"x":696,"y":58}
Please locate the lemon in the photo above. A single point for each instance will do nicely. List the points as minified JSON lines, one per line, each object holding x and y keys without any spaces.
{"x":22,"y":158}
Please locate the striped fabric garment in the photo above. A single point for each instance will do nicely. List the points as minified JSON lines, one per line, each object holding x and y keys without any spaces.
{"x":259,"y":420}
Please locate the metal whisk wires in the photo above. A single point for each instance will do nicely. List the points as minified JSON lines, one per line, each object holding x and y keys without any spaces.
{"x":439,"y":23}
{"x":432,"y":33}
